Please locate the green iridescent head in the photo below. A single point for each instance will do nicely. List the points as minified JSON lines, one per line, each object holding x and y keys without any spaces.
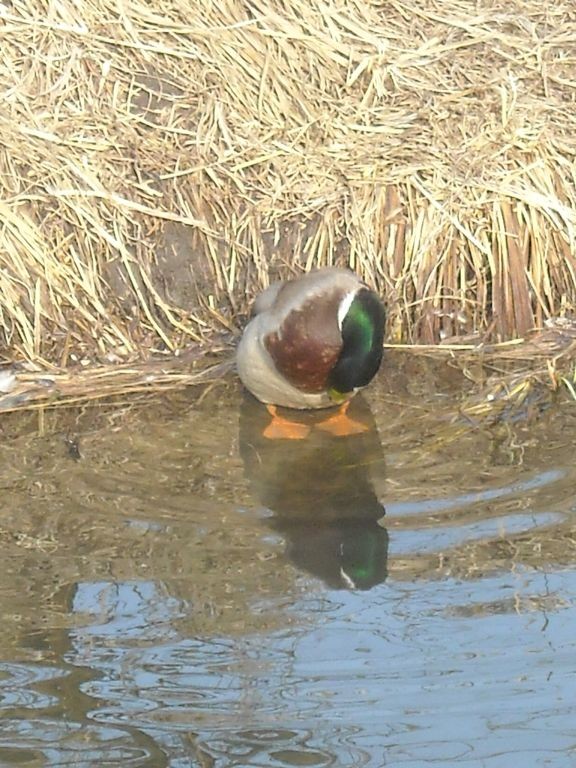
{"x":362,"y":345}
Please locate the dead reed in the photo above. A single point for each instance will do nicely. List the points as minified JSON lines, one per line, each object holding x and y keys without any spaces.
{"x":161,"y":163}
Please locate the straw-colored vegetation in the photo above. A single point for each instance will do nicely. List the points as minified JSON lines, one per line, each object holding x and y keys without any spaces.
{"x":162,"y":162}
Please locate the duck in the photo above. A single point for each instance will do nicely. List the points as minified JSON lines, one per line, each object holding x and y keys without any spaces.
{"x":313,"y":341}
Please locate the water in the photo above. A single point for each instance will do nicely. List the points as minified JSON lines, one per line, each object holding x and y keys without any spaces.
{"x":178,"y":589}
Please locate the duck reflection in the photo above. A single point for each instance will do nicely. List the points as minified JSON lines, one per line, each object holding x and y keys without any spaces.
{"x":313,"y":471}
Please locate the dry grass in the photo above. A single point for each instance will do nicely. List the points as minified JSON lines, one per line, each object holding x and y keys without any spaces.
{"x":162,"y":162}
{"x":511,"y":380}
{"x":39,"y":390}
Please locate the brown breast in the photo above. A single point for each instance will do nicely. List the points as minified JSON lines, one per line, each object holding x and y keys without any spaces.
{"x":307,"y":345}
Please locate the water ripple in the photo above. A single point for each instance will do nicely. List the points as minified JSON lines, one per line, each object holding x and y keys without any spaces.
{"x":57,"y":743}
{"x":17,"y":683}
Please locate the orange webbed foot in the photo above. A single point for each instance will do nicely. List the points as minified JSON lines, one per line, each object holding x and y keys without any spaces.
{"x":341,"y":425}
{"x":281,"y":428}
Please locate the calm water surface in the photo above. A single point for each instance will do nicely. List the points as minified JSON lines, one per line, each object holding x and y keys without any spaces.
{"x":180,"y":586}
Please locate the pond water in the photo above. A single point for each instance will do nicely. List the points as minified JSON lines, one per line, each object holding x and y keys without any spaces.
{"x":181,"y":585}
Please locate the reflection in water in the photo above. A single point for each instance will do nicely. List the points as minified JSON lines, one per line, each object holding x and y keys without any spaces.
{"x":318,"y":484}
{"x":47,"y":710}
{"x":147,"y":623}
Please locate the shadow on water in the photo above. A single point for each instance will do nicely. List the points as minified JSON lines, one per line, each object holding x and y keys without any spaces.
{"x":319,"y":488}
{"x":207,"y":584}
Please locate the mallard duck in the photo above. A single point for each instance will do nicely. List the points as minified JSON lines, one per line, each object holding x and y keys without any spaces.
{"x":313,"y":341}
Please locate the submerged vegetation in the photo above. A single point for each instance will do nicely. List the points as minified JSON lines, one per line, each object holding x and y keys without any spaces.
{"x":162,"y":164}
